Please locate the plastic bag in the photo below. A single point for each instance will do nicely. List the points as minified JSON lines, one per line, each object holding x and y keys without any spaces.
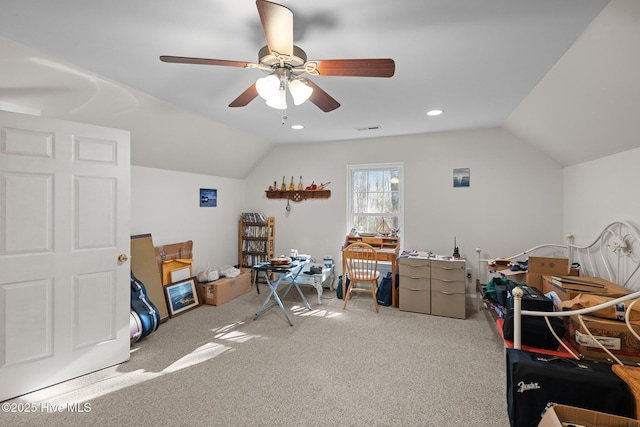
{"x":229,"y":271}
{"x":209,"y":274}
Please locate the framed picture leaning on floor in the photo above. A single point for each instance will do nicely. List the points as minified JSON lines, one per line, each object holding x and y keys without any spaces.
{"x":181,"y":296}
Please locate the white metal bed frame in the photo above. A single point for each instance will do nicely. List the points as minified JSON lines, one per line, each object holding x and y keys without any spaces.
{"x":614,"y":255}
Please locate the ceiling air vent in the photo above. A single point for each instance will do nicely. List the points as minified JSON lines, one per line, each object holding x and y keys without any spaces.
{"x":369,"y":128}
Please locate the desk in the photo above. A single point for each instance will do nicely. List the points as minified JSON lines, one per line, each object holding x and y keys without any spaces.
{"x":387,"y":250}
{"x":318,"y":280}
{"x":274,"y":276}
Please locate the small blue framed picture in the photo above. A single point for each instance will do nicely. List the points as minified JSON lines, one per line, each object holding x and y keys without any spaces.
{"x":461,"y":177}
{"x":208,"y":197}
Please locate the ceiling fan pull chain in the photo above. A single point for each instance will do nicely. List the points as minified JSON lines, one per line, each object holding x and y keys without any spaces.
{"x":284,"y":116}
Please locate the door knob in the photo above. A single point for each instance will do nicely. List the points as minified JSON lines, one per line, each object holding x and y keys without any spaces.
{"x":123,"y":257}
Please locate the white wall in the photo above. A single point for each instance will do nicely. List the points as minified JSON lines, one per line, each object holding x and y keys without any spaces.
{"x":514,"y":200}
{"x":166,"y":205}
{"x":600,"y":192}
{"x":162,"y":135}
{"x":518,"y":198}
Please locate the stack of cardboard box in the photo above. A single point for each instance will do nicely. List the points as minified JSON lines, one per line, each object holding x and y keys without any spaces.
{"x":611,"y":331}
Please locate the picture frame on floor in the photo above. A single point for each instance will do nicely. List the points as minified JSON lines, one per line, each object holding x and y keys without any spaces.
{"x":181,"y":296}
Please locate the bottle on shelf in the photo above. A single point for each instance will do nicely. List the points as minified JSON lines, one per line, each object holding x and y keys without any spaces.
{"x":300,"y":187}
{"x":283,"y":187}
{"x":292,"y":186}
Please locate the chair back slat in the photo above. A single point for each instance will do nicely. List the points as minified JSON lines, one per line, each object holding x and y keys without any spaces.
{"x":361,"y":261}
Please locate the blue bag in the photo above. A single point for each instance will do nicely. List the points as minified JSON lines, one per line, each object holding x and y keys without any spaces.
{"x":339,"y":287}
{"x":383,"y":294}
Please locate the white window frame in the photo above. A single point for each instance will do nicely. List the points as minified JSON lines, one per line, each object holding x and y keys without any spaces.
{"x":375,"y":166}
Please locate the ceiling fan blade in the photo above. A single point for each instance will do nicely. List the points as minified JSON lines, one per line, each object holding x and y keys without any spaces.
{"x":320,"y":98}
{"x":245,"y":97}
{"x":203,"y":61}
{"x":277,"y":22}
{"x":356,"y":67}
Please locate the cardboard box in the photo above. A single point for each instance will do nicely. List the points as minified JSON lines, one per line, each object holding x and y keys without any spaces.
{"x":226,"y":289}
{"x":516,"y":276}
{"x":145,"y":268}
{"x":539,"y":266}
{"x":613,"y":334}
{"x":550,"y":266}
{"x":611,"y":289}
{"x":563,"y":415}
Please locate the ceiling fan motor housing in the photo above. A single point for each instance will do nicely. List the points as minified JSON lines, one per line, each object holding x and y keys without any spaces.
{"x":298,"y":59}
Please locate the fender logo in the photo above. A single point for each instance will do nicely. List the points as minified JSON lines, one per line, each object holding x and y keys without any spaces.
{"x":522,"y":386}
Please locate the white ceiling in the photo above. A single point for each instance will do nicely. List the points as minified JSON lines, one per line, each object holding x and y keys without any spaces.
{"x":478,"y":60}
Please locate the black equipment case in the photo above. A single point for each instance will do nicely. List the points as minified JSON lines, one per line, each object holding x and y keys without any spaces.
{"x":532,"y":299}
{"x":535,"y":332}
{"x":533,"y":380}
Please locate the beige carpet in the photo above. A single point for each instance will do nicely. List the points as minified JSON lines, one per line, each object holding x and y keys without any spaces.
{"x":216,"y":366}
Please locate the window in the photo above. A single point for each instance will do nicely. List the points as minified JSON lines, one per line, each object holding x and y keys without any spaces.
{"x":375,"y":198}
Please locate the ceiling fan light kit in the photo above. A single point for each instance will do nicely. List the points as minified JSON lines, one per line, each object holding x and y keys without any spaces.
{"x":273,"y":89}
{"x":286,"y":63}
{"x":300,"y":92}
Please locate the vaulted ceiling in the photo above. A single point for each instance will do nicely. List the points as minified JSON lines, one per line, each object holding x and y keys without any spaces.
{"x":560,"y":74}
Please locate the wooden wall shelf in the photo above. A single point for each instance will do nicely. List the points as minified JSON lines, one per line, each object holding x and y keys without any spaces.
{"x":298,"y":195}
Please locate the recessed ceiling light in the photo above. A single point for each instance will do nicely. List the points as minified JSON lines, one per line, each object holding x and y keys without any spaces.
{"x":434,"y":112}
{"x":297,"y":127}
{"x":374,"y":127}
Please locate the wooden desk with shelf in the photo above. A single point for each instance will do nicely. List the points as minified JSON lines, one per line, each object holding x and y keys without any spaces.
{"x":387,"y":249}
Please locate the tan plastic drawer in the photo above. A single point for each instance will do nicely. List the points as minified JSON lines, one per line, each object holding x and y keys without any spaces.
{"x":416,"y":301}
{"x":414,"y":268}
{"x":448,"y":286}
{"x":414,"y":283}
{"x":417,"y":262}
{"x":448,"y":305}
{"x":448,"y":270}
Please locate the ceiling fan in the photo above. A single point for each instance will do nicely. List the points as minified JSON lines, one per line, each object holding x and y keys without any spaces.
{"x":286,"y":63}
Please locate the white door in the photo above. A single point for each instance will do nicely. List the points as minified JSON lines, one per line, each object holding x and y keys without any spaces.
{"x":64,"y":221}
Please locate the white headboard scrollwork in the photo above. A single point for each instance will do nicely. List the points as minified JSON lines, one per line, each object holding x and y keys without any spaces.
{"x":614,"y":255}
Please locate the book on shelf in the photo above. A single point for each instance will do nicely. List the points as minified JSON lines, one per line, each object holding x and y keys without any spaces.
{"x":254,"y":217}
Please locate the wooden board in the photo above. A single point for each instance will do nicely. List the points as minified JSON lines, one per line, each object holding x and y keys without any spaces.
{"x":145,"y":268}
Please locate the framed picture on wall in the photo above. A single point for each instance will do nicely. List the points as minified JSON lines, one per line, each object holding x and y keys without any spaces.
{"x":461,"y":177}
{"x":208,"y":197}
{"x":181,"y":296}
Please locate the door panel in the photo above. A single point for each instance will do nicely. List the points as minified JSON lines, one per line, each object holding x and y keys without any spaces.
{"x":64,"y":296}
{"x":33,"y":193}
{"x":95,"y":207}
{"x":27,"y":333}
{"x":94,"y":323}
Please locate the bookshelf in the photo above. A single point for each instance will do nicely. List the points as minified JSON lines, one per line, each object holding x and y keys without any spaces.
{"x":256,"y":234}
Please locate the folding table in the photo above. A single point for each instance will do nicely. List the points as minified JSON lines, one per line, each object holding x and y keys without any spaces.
{"x":274,"y":275}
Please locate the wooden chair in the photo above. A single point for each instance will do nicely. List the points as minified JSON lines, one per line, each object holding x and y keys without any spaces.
{"x":361,"y":262}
